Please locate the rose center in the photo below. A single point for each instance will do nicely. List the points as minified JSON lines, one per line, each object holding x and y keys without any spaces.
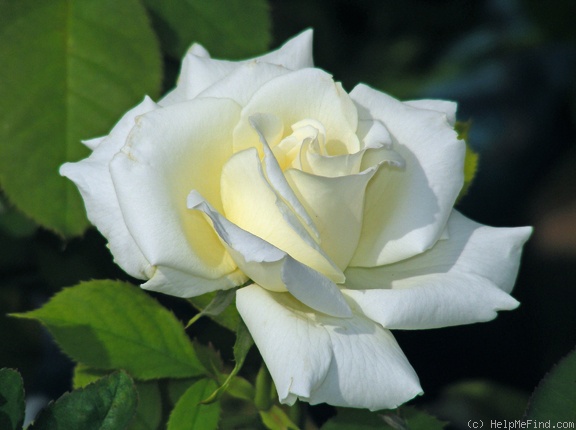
{"x":307,"y":136}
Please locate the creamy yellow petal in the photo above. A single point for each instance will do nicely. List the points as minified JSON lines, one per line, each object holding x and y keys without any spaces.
{"x":169,"y":152}
{"x":303,"y":94}
{"x":336,"y":204}
{"x":273,"y":268}
{"x":251,"y":202}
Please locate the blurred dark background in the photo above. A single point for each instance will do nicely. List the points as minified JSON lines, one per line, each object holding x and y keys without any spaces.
{"x":511,"y":66}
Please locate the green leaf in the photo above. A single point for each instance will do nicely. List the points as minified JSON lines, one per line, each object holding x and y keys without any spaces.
{"x":155,"y":398}
{"x":242,"y":345}
{"x":354,"y":419}
{"x":107,"y":404}
{"x":149,"y":413}
{"x":85,"y":375}
{"x":70,"y":69}
{"x":221,"y":300}
{"x":112,"y":325}
{"x":190,"y":413}
{"x":11,"y":400}
{"x":265,"y":391}
{"x":404,"y":418}
{"x":175,"y":388}
{"x":240,"y":388}
{"x":416,"y":419}
{"x":555,"y":396}
{"x":484,"y":400}
{"x":210,"y":358}
{"x":228,"y":318}
{"x":227,"y":28}
{"x":470,"y":159}
{"x":14,"y":223}
{"x":276,"y":419}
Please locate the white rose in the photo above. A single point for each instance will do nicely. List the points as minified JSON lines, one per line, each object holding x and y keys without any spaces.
{"x":338,"y":206}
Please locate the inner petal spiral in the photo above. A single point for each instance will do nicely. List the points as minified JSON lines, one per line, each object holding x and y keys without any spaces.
{"x":307,"y":135}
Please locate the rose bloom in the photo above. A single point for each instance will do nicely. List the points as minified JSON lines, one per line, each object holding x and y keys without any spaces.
{"x":339,"y":208}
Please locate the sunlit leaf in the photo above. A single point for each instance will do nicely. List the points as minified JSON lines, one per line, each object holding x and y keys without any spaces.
{"x":84,"y":375}
{"x":240,"y":388}
{"x":190,"y":414}
{"x":112,"y":325}
{"x":107,"y":404}
{"x":70,"y":69}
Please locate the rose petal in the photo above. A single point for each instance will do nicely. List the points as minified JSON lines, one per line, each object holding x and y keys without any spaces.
{"x":271,"y":267}
{"x":344,"y":362}
{"x":174,"y":282}
{"x":294,"y":55}
{"x":153,"y":175}
{"x":243,"y":82}
{"x":200,"y":71}
{"x":331,"y":166}
{"x":461,"y":280}
{"x":376,"y":149}
{"x":303,"y":94}
{"x":373,"y":134}
{"x":337,"y":205}
{"x":198,"y":50}
{"x":93,"y":143}
{"x":443,"y":106}
{"x":92,"y":176}
{"x":275,"y":175}
{"x":251,"y":203}
{"x":405,"y":212}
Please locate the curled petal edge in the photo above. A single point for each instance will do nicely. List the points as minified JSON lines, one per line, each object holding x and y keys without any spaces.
{"x":271,"y":267}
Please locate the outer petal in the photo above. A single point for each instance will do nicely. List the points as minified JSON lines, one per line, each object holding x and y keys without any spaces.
{"x":406,"y":212}
{"x":344,"y":362}
{"x":179,"y":283}
{"x":200,"y":71}
{"x":443,"y":106}
{"x":294,"y":55}
{"x":273,"y":268}
{"x":303,"y":94}
{"x":243,"y":82}
{"x":169,"y":152}
{"x":92,"y":144}
{"x":461,"y":280}
{"x":92,"y":176}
